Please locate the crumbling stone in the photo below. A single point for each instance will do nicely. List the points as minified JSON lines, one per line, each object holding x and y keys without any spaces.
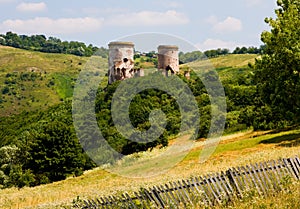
{"x":121,"y":61}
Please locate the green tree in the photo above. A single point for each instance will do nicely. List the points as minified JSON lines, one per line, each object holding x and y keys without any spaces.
{"x":11,"y":171}
{"x":55,"y":152}
{"x":277,"y":72}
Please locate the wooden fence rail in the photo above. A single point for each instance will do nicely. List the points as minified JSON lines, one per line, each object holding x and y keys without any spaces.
{"x":206,"y":190}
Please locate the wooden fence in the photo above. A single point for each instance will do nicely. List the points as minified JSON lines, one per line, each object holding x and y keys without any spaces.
{"x":206,"y":190}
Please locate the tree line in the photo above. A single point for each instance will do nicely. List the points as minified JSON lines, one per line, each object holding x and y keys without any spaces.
{"x":197,"y":55}
{"x":55,"y":45}
{"x":50,"y":45}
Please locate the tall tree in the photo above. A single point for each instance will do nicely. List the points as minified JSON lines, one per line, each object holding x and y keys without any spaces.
{"x":55,"y":152}
{"x":278,"y":70}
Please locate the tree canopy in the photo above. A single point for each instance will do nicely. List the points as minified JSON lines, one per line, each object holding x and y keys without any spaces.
{"x":278,"y":70}
{"x":51,"y":45}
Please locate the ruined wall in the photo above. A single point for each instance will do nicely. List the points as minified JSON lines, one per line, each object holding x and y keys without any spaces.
{"x":120,"y":61}
{"x":168,"y":61}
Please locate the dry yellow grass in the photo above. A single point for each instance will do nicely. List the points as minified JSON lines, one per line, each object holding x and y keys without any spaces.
{"x":99,"y":182}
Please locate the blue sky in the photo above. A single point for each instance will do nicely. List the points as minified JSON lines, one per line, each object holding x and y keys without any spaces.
{"x":206,"y":24}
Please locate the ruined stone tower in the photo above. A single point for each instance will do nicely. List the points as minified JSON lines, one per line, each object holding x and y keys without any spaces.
{"x":168,"y":61}
{"x":120,"y":61}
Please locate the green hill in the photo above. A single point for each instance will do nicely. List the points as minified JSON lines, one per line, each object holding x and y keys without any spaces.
{"x":35,"y":81}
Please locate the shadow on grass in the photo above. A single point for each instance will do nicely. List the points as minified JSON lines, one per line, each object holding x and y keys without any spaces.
{"x":289,"y":140}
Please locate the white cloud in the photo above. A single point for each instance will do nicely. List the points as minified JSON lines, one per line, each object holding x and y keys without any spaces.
{"x":32,"y":7}
{"x":217,"y":43}
{"x":52,"y":26}
{"x":230,"y":24}
{"x":149,"y":18}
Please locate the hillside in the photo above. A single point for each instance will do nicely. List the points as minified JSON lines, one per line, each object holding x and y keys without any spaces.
{"x":40,"y":83}
{"x":226,"y":61}
{"x":235,"y":150}
{"x":35,"y":81}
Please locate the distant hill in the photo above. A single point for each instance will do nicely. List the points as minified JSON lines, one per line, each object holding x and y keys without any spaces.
{"x":32,"y":80}
{"x":51,"y":45}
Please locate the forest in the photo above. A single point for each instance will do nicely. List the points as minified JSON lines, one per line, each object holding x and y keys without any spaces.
{"x":41,"y":146}
{"x":50,"y":45}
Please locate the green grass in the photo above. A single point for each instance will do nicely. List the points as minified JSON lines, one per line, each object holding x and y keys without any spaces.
{"x":64,"y":85}
{"x":56,"y":74}
{"x":285,"y":137}
{"x":281,"y":139}
{"x":227,"y":61}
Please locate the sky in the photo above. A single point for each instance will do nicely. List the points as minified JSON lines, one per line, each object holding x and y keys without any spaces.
{"x":206,"y":25}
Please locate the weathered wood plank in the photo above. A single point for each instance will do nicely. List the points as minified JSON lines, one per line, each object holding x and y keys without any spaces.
{"x":177,"y":192}
{"x":298,"y":163}
{"x":261,"y":177}
{"x":289,"y":168}
{"x":157,"y":198}
{"x":210,"y":189}
{"x":129,"y":200}
{"x":257,"y":176}
{"x":103,"y":201}
{"x":254,"y":180}
{"x":214,"y":187}
{"x":239,"y":180}
{"x":294,"y":168}
{"x":150,"y":197}
{"x":243,"y":177}
{"x":275,"y":177}
{"x":224,"y":186}
{"x":265,"y":171}
{"x":181,"y":194}
{"x":172,"y":195}
{"x":186,"y":194}
{"x":283,"y":169}
{"x":113,"y":201}
{"x":169,"y":201}
{"x":144,"y":197}
{"x":141,"y":200}
{"x":233,"y":181}
{"x":223,"y":175}
{"x":297,"y":168}
{"x":201,"y":191}
{"x":248,"y":177}
{"x":222,"y":193}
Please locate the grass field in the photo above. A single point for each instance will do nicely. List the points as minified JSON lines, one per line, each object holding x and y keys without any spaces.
{"x":237,"y":149}
{"x":227,"y":61}
{"x":34,"y":80}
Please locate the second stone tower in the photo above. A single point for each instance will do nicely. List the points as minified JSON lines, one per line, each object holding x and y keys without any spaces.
{"x":168,"y":61}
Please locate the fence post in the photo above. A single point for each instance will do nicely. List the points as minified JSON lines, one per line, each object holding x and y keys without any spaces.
{"x":233,"y":182}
